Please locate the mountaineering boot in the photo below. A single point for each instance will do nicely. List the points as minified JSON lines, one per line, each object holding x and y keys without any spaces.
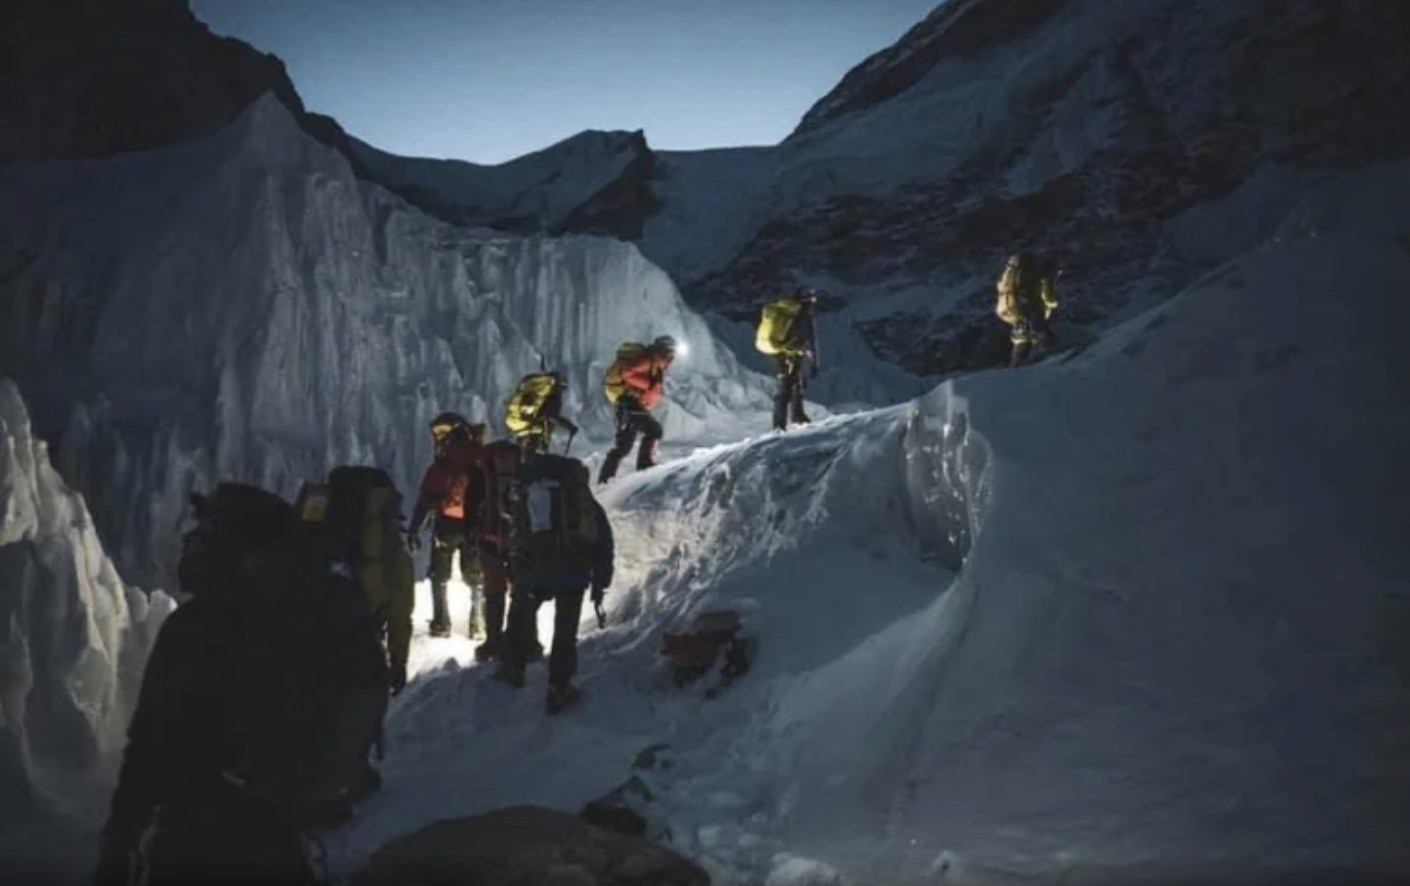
{"x":440,"y":616}
{"x":508,"y":672}
{"x":609,"y":467}
{"x":490,"y":649}
{"x":1020,"y":355}
{"x":646,"y":454}
{"x":494,"y":628}
{"x":561,"y":696}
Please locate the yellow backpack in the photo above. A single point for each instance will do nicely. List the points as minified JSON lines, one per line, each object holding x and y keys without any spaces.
{"x":627,"y":352}
{"x":776,"y":325}
{"x":522,"y":413}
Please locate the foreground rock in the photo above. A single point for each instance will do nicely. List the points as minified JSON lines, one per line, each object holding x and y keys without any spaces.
{"x":524,"y":845}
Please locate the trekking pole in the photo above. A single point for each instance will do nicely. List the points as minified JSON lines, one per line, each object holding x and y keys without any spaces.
{"x":601,"y":614}
{"x":572,"y":432}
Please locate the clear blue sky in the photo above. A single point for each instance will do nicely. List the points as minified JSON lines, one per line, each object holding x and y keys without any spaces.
{"x":489,"y":80}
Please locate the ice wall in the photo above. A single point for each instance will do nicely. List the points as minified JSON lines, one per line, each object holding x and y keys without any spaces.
{"x":244,"y":307}
{"x":73,"y":637}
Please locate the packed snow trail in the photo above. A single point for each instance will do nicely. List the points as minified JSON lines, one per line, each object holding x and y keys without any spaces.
{"x":1170,"y":640}
{"x":753,"y":529}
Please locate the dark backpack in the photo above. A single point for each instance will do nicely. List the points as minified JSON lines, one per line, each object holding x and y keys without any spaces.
{"x":308,"y":673}
{"x":553,"y":521}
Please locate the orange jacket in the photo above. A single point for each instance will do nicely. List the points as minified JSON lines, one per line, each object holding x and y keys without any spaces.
{"x":450,"y":483}
{"x":644,"y":378}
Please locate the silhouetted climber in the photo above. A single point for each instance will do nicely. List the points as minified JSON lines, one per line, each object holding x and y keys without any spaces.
{"x":500,"y":464}
{"x":634,"y":383}
{"x":1027,"y":298}
{"x":786,"y":333}
{"x":253,"y":722}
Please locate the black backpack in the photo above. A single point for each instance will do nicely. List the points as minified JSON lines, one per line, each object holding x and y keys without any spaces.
{"x":308,"y":678}
{"x":553,"y":521}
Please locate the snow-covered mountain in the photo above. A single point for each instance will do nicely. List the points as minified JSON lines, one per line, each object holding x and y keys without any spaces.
{"x":243,"y":306}
{"x":1136,"y":614}
{"x":1147,"y":142}
{"x":73,"y":639}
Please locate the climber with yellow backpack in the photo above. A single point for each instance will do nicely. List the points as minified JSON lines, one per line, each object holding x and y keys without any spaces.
{"x":535,"y":411}
{"x":786,"y":333}
{"x":1027,"y":298}
{"x":634,"y":384}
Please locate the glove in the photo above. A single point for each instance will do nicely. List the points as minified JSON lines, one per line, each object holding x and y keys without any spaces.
{"x":398,"y":679}
{"x":597,"y":591}
{"x":413,"y":541}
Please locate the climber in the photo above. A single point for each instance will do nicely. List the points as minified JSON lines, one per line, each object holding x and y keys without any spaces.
{"x":560,"y":547}
{"x":535,"y":410}
{"x":451,"y":489}
{"x":634,"y":384}
{"x":1026,"y":300}
{"x":499,"y":464}
{"x":786,"y":333}
{"x":251,"y":729}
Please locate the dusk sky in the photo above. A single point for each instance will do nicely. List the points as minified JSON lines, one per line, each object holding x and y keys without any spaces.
{"x":490,"y":80}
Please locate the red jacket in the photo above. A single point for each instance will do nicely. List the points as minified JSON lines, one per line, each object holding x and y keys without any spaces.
{"x":449,"y":485}
{"x":499,"y":462}
{"x":644,"y":378}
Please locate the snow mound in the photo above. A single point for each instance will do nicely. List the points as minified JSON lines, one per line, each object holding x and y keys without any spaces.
{"x":244,"y":308}
{"x":1140,"y":610}
{"x":73,"y":640}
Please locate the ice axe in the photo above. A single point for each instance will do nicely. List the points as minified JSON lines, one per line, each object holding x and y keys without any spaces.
{"x":597,"y":607}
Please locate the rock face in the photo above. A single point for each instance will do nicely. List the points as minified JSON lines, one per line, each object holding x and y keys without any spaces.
{"x":1145,"y":143}
{"x":93,"y":78}
{"x":526,"y":846}
{"x":1087,"y":128}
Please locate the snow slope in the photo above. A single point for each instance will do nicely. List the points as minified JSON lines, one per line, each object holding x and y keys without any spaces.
{"x":243,"y":307}
{"x":1136,"y":613}
{"x":554,"y":189}
{"x":73,"y":639}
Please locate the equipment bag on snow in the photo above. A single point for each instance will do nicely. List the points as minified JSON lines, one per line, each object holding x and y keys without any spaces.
{"x":774,"y":336}
{"x":553,"y":523}
{"x":525,"y":407}
{"x":693,"y":653}
{"x":627,"y":354}
{"x":308,"y":684}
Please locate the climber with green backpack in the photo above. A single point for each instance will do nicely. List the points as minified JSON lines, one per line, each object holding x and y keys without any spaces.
{"x":535,"y":410}
{"x":355,"y":516}
{"x":560,"y":545}
{"x":634,"y":384}
{"x":786,"y":333}
{"x":258,"y":704}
